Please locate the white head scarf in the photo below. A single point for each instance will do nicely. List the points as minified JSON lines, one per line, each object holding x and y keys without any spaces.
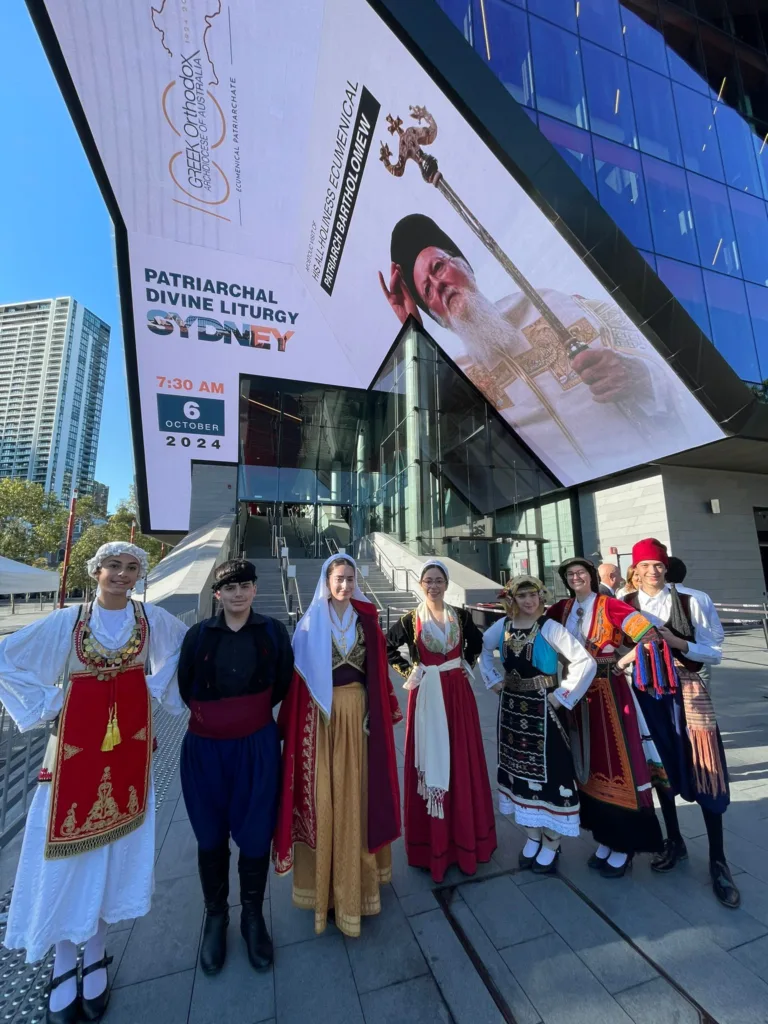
{"x":440,"y":636}
{"x":312,"y":643}
{"x":118,"y":547}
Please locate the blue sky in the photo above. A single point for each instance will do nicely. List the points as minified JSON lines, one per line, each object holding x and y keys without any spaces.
{"x":55,"y":232}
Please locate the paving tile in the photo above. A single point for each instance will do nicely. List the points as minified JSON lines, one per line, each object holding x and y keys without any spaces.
{"x":248,"y":995}
{"x":163,"y":816}
{"x":162,"y":999}
{"x":577,"y":997}
{"x":419,"y":903}
{"x":291,"y":924}
{"x":754,"y":896}
{"x":178,"y":855}
{"x":299,"y":1000}
{"x":657,"y":1002}
{"x":728,"y":991}
{"x":754,"y":955}
{"x":407,"y":880}
{"x":510,"y":990}
{"x":386,"y":952}
{"x":467,"y":997}
{"x":504,"y":912}
{"x":167,"y":939}
{"x":417,"y":1002}
{"x":741,"y":853}
{"x":690,"y":895}
{"x":180,"y":814}
{"x":613,"y":962}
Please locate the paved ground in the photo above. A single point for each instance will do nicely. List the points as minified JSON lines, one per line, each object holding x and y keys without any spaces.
{"x":504,"y":946}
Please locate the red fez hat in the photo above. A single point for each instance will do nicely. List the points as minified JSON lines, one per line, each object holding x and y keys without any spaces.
{"x":650,"y":550}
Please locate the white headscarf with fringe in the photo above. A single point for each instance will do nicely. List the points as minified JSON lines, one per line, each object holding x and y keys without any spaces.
{"x":312,"y":641}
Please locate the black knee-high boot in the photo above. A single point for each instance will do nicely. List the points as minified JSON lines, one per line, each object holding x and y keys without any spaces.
{"x":214,"y":876}
{"x":253,"y":928}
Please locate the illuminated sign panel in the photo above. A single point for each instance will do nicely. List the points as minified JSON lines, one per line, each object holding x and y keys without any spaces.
{"x":293,"y":186}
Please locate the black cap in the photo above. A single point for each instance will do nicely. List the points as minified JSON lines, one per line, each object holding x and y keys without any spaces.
{"x":411,"y":236}
{"x":585,"y":564}
{"x":236,"y":570}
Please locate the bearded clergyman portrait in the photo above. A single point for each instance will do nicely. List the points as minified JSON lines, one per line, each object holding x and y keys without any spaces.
{"x":616,"y":395}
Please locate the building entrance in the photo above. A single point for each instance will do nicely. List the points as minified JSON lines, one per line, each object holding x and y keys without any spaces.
{"x":307,"y":530}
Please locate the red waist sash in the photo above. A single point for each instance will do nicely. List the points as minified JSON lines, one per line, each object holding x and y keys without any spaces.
{"x":100,"y":780}
{"x":231,"y":718}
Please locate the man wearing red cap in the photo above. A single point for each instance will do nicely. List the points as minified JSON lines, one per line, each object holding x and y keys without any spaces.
{"x":682,"y":721}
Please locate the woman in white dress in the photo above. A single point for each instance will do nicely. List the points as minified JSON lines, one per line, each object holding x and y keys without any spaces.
{"x":89,"y":844}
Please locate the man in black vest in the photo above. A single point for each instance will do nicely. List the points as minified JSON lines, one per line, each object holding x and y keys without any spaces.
{"x":682,"y":724}
{"x":234,"y":668}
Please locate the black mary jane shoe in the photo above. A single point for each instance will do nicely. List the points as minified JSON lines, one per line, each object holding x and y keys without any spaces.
{"x":674,"y":851}
{"x":526,"y":863}
{"x":608,"y":871}
{"x":94,"y":1009}
{"x":546,"y":869}
{"x":723,"y":885}
{"x":70,"y":1014}
{"x":597,"y":863}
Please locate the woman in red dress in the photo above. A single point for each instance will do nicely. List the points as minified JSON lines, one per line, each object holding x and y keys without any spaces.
{"x":448,"y":803}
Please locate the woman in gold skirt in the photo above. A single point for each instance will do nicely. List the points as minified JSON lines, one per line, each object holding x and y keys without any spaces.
{"x":340,"y":798}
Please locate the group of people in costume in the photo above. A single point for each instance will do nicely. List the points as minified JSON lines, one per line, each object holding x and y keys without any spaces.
{"x":601,"y":701}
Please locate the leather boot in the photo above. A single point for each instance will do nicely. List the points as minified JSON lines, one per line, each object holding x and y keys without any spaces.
{"x":253,"y":928}
{"x":214,"y":876}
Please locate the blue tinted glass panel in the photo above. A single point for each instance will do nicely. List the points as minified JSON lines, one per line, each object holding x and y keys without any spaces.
{"x":731,"y":329}
{"x":532,"y":114}
{"x":682,"y":72}
{"x":686,"y":284}
{"x":670,"y":207}
{"x":750,"y":219}
{"x":656,"y":125}
{"x":574,"y":145}
{"x":696,"y":118}
{"x":758,"y":307}
{"x":621,"y":190}
{"x":644,"y":43}
{"x":562,"y":12}
{"x":599,"y":20}
{"x":608,"y":97}
{"x":737,"y":151}
{"x":509,"y":48}
{"x":649,"y":258}
{"x":714,"y":225}
{"x":460,"y":13}
{"x":760,"y":146}
{"x":557,"y":73}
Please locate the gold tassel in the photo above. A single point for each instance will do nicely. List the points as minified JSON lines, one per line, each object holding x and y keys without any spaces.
{"x":112,"y":735}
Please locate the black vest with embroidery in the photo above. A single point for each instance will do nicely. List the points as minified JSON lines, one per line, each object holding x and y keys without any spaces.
{"x":689,"y":635}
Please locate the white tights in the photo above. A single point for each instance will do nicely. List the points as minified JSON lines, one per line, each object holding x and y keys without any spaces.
{"x":543,"y":840}
{"x":66,"y":958}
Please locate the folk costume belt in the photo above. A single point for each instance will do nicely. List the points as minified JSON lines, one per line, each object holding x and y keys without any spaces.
{"x":231,"y":718}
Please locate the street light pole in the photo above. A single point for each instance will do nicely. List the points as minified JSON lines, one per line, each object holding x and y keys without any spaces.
{"x":67,"y":549}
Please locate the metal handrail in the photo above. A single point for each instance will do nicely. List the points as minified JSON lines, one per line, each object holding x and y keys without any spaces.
{"x":396,"y":568}
{"x":285,"y":579}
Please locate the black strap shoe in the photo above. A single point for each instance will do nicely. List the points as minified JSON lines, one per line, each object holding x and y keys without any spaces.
{"x":609,"y":871}
{"x":723,"y":884}
{"x":546,"y":869}
{"x":253,"y":882}
{"x":596,"y":863}
{"x":526,"y":862}
{"x":214,"y":877}
{"x":674,"y":851}
{"x":70,"y":1014}
{"x":94,"y":1009}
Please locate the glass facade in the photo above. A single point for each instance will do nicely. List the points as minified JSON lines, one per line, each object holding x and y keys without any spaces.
{"x":421,"y":456}
{"x":661,"y":109}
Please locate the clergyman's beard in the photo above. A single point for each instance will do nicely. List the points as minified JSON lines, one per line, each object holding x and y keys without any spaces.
{"x":482,"y":327}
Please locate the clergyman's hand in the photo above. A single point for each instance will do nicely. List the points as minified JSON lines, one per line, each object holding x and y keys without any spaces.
{"x":605,"y":373}
{"x":399,"y":295}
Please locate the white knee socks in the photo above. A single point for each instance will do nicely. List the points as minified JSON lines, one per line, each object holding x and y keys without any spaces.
{"x":95,"y":983}
{"x":66,"y":958}
{"x":534,"y":842}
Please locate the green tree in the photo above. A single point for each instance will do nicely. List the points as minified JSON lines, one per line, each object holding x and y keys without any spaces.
{"x":32,"y":521}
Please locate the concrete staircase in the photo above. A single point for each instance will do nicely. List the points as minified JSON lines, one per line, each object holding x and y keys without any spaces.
{"x":269,"y":599}
{"x":388,"y":597}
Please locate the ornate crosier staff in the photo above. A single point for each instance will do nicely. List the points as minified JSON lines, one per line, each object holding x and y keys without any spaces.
{"x":410,"y":148}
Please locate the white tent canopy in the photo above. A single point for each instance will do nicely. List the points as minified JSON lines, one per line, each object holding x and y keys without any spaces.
{"x":18,"y":578}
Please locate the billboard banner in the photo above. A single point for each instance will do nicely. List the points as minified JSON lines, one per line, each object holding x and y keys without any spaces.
{"x":294,"y":186}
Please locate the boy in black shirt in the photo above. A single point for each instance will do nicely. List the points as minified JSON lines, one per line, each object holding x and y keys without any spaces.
{"x":234,"y":668}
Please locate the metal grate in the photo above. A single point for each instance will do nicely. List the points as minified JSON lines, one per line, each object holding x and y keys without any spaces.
{"x":23,"y":995}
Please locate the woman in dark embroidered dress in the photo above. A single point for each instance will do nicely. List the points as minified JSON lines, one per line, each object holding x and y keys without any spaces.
{"x":448,"y":802}
{"x":536,"y":777}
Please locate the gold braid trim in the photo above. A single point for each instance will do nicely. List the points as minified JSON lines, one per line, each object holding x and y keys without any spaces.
{"x":55,"y":851}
